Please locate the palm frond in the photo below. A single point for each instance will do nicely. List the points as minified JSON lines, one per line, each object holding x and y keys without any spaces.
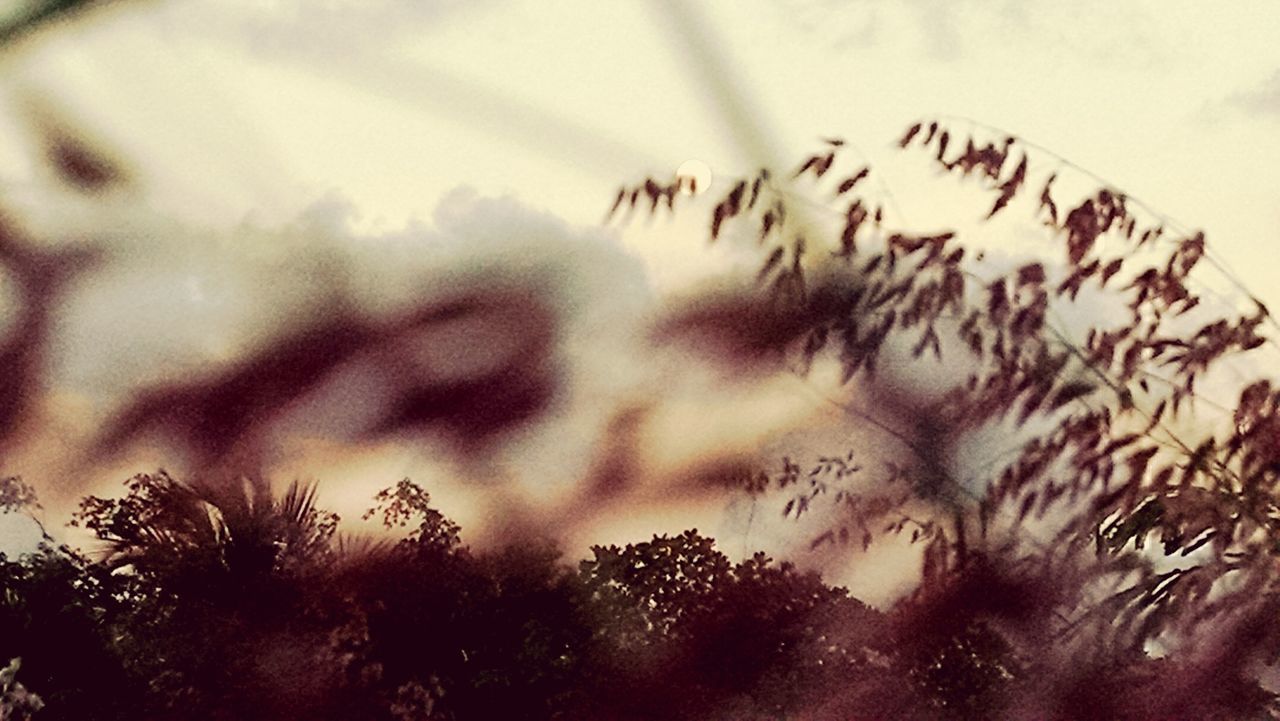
{"x":297,"y":507}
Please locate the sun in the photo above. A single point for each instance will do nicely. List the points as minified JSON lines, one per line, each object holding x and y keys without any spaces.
{"x":693,"y":177}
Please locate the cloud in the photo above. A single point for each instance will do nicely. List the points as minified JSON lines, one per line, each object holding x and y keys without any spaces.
{"x":1263,"y":100}
{"x":298,"y":25}
{"x":947,"y":31}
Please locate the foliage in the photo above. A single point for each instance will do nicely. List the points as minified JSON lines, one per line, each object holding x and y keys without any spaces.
{"x":237,"y":533}
{"x":16,"y":702}
{"x":16,"y":496}
{"x":690,"y":635}
{"x":178,"y":621}
{"x":1151,"y":596}
{"x":407,"y":502}
{"x":57,"y":611}
{"x":1152,"y":593}
{"x":218,"y":612}
{"x":1117,"y":446}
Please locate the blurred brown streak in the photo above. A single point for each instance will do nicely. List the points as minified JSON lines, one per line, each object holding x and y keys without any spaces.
{"x":81,"y":166}
{"x":750,"y":330}
{"x":478,"y":406}
{"x":618,"y":464}
{"x":80,"y":158}
{"x":39,"y":277}
{"x":625,"y":481}
{"x":226,"y":418}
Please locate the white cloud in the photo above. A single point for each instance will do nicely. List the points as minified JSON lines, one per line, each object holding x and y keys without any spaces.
{"x":945,"y":31}
{"x":1263,"y":100}
{"x":328,"y":26}
{"x":18,"y":534}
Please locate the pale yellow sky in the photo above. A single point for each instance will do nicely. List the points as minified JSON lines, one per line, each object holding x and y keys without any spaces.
{"x":241,"y":114}
{"x":392,"y":105}
{"x":559,"y":101}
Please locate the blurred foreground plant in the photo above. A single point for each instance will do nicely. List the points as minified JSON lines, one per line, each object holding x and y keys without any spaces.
{"x":1134,"y":513}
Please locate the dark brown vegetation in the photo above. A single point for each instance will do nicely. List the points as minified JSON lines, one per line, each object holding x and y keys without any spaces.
{"x":1120,"y":565}
{"x":212,"y":604}
{"x":1137,"y":515}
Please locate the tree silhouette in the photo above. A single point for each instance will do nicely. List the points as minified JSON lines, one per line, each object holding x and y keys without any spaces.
{"x":16,"y":702}
{"x":56,"y":615}
{"x":180,"y":621}
{"x":221,"y":617}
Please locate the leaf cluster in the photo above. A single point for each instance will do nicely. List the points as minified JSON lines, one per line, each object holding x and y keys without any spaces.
{"x":1117,"y":446}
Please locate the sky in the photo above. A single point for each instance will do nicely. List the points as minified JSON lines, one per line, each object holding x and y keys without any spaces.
{"x":266,"y":143}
